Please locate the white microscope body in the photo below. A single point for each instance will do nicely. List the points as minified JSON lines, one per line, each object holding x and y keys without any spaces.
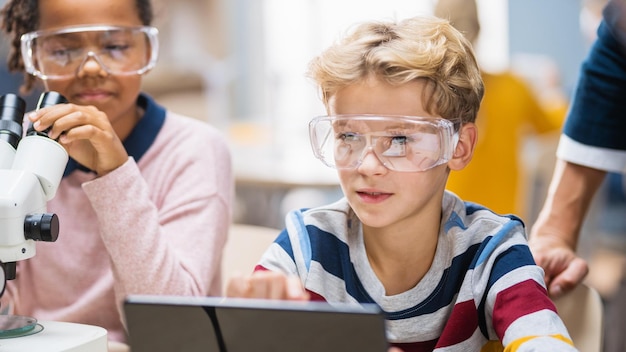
{"x":30,"y":171}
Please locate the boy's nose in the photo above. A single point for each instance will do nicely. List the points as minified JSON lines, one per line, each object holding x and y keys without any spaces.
{"x":370,"y":163}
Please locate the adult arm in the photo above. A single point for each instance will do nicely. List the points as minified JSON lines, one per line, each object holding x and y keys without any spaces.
{"x":554,"y":236}
{"x":592,"y":143}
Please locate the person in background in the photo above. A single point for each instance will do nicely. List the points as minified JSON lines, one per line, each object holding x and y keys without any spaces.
{"x":145,"y":201}
{"x":402,"y":98}
{"x":603,"y":234}
{"x":509,"y":114}
{"x":592,"y":143}
{"x":10,"y":82}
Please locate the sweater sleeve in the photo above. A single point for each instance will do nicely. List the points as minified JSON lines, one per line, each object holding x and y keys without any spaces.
{"x":515,"y":302}
{"x":165,"y":224}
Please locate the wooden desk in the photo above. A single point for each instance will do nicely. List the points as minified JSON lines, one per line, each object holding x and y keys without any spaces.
{"x":115,"y":346}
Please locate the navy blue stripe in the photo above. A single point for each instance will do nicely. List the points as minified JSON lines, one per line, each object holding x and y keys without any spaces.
{"x":454,"y":221}
{"x":446,"y":290}
{"x":514,"y":257}
{"x":334,"y":256}
{"x":284,"y":242}
{"x":471,"y":208}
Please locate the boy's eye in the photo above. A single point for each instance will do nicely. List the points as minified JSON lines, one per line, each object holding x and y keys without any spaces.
{"x":348,"y":137}
{"x":394,"y":146}
{"x":399,"y":140}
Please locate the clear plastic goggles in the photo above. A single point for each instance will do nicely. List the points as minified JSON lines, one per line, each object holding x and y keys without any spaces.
{"x":59,"y":54}
{"x":401,"y":143}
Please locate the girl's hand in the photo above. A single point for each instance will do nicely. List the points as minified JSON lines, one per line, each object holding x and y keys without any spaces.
{"x":86,"y":134}
{"x":267,"y":285}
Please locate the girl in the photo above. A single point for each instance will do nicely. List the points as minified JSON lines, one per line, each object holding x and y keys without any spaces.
{"x":145,"y":201}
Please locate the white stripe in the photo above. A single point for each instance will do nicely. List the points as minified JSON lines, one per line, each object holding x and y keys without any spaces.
{"x":482,"y":272}
{"x":333,"y":288}
{"x":276,"y":259}
{"x":425,"y":327}
{"x":473,"y":343}
{"x":526,"y":326}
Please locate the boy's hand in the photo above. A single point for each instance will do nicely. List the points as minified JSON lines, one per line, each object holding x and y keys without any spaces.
{"x":267,"y":285}
{"x":86,"y":134}
{"x":271,"y":285}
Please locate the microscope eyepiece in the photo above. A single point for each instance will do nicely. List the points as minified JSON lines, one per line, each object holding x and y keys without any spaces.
{"x":12,"y":109}
{"x":50,"y":98}
{"x":46,"y":99}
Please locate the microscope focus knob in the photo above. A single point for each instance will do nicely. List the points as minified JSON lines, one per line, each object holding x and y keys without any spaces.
{"x":41,"y":227}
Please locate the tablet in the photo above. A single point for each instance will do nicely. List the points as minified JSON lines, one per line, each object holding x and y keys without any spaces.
{"x":217,"y":324}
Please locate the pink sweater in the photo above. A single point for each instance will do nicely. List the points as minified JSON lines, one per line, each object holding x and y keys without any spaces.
{"x":157,"y":226}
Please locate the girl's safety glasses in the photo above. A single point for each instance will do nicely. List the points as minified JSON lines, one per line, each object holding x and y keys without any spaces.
{"x":119,"y":50}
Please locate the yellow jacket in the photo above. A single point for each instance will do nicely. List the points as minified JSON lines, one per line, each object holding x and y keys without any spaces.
{"x":509,"y":112}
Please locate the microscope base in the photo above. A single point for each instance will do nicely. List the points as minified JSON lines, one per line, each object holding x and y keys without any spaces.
{"x":59,"y":337}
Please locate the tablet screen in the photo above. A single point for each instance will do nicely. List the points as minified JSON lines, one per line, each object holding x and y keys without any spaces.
{"x":189,"y":324}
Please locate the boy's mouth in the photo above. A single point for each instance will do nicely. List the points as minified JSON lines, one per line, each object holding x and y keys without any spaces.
{"x":373,"y":197}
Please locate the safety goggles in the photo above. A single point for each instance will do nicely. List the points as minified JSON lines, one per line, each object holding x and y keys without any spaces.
{"x":59,"y":54}
{"x":401,"y":143}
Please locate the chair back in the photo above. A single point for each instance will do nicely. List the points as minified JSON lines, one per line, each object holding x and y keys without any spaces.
{"x":582,"y":312}
{"x":244,"y":247}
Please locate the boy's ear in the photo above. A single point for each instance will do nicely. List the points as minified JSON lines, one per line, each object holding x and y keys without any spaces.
{"x":468,"y":135}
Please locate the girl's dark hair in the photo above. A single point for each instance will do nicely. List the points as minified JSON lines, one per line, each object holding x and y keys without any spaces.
{"x":22,"y":16}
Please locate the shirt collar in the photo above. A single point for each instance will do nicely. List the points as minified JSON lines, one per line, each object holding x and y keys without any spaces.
{"x":140,"y":138}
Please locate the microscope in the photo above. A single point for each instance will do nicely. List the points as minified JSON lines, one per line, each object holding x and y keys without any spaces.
{"x":30,"y":171}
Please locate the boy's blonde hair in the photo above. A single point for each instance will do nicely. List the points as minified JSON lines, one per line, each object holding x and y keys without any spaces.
{"x":420,"y":48}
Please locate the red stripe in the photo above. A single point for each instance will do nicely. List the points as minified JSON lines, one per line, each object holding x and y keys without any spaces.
{"x":315,"y":297}
{"x":462,"y":323}
{"x":517,"y":301}
{"x":260,"y":267}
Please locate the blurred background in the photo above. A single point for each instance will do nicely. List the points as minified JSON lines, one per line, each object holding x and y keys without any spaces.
{"x":239,"y":65}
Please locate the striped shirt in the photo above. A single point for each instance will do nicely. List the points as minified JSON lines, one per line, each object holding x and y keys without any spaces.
{"x":482,"y":292}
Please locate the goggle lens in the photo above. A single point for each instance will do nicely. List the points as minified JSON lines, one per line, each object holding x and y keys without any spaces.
{"x":60,"y":54}
{"x":407,"y":144}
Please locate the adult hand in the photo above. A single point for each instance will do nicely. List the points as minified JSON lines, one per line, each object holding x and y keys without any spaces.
{"x":267,"y":285}
{"x":554,"y":236}
{"x":563,"y":268}
{"x":86,"y":134}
